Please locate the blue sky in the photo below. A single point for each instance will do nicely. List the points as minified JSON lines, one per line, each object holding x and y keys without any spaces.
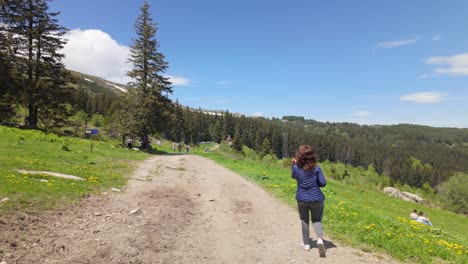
{"x":367,"y":62}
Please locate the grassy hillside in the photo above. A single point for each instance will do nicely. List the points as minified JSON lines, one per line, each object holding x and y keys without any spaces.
{"x":361,"y":217}
{"x":106,"y":167}
{"x":369,"y":219}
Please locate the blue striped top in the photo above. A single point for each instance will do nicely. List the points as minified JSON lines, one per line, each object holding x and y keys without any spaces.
{"x":308,"y":184}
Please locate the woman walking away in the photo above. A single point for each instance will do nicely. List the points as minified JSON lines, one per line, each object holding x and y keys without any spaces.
{"x":310,"y":199}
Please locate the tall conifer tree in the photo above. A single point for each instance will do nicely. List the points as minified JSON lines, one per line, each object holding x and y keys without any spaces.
{"x":151,"y":104}
{"x":36,"y":43}
{"x":8,"y":93}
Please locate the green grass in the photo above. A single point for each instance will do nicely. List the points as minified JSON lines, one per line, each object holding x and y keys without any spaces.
{"x":106,"y":167}
{"x":356,"y":216}
{"x":369,"y":219}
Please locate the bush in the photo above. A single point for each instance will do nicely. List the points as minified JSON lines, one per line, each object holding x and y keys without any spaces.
{"x":285,"y":163}
{"x":98,"y":120}
{"x":269,"y":160}
{"x":249,"y":153}
{"x":453,"y":193}
{"x":224,"y":147}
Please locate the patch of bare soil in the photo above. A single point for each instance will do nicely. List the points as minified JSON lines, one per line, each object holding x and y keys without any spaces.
{"x":189,"y":211}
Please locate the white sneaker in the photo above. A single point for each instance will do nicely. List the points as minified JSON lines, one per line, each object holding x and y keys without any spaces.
{"x":321,"y":247}
{"x":306,"y":247}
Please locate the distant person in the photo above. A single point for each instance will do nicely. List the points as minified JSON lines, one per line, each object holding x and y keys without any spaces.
{"x":310,"y":199}
{"x":414,"y":215}
{"x":179,"y":147}
{"x":422,"y":218}
{"x":129,"y":143}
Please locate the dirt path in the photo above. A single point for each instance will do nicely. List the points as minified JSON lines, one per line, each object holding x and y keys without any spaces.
{"x":192,"y":211}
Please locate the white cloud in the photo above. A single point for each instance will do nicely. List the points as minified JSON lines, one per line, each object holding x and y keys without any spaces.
{"x":94,"y":52}
{"x":257,"y":114}
{"x":436,"y":37}
{"x":179,"y":81}
{"x":424,"y":97}
{"x":360,"y":113}
{"x":451,"y":65}
{"x":397,"y":43}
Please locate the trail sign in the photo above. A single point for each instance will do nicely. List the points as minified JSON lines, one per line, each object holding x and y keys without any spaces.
{"x":91,"y":132}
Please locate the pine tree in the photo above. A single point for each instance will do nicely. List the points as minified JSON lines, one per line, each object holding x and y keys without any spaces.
{"x":8,"y":95}
{"x":37,"y":40}
{"x":189,"y":117}
{"x":237,"y":141}
{"x":178,"y":124}
{"x":6,"y":86}
{"x":265,"y":148}
{"x":151,"y":105}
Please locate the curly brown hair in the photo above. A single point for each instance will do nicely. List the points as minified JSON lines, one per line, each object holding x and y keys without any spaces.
{"x":306,"y":158}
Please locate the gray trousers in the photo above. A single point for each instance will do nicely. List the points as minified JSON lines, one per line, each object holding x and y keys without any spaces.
{"x":308,"y":210}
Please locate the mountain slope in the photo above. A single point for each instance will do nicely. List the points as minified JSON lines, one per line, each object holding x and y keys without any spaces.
{"x":98,"y":84}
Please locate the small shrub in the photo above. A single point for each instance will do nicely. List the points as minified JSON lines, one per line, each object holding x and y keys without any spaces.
{"x":98,"y":120}
{"x":269,"y":160}
{"x":224,"y":147}
{"x":249,"y":153}
{"x":285,"y":163}
{"x":65,"y":145}
{"x":453,"y":193}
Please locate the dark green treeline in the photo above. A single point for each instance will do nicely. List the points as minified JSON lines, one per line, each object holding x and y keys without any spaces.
{"x":408,"y":154}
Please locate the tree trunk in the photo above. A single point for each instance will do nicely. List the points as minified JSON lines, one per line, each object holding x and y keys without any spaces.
{"x":145,"y":144}
{"x":32,"y":117}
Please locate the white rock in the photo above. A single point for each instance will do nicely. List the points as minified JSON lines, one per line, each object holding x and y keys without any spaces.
{"x":1,"y":201}
{"x":413,"y":196}
{"x":134,"y":211}
{"x":116,"y":190}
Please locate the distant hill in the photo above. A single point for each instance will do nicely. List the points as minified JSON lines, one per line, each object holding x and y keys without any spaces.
{"x":98,"y":85}
{"x":387,"y":134}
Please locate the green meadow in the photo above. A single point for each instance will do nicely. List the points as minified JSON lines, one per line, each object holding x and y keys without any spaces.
{"x":362,"y":217}
{"x":367,"y":218}
{"x":104,"y":168}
